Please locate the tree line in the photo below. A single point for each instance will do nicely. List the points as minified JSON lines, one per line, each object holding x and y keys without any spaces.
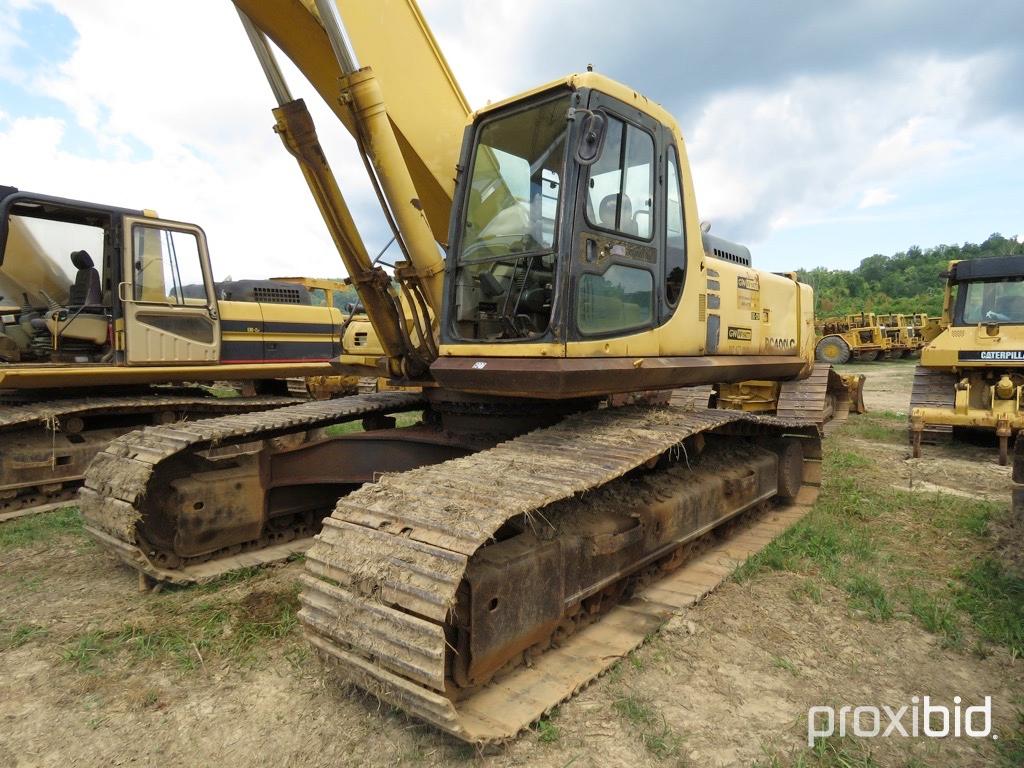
{"x":905,"y":282}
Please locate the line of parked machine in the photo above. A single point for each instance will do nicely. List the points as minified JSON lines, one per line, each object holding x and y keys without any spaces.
{"x":868,"y":336}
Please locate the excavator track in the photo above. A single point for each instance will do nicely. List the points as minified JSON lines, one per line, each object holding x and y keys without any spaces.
{"x":120,"y":477}
{"x":47,"y":445}
{"x":824,"y":396}
{"x":403,"y":564}
{"x":933,"y":389}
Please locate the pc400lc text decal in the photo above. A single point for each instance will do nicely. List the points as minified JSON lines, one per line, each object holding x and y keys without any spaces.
{"x":777,"y":343}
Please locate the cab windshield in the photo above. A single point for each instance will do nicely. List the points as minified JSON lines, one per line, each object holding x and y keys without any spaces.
{"x":990,"y":301}
{"x":506,"y":255}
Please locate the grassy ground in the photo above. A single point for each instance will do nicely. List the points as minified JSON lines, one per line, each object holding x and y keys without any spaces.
{"x":927,"y":558}
{"x":401,"y":420}
{"x":870,"y":566}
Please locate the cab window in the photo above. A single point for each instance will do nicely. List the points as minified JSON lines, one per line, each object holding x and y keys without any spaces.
{"x":618,"y":300}
{"x":164,"y":263}
{"x":620,"y":190}
{"x":991,"y":301}
{"x":675,"y":231}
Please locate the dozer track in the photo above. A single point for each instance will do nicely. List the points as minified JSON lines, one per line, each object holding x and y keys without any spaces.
{"x":933,"y":389}
{"x":121,"y":477}
{"x":479,"y":593}
{"x":46,"y":446}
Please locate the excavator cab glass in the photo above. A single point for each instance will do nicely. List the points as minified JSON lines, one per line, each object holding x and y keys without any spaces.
{"x":563,"y":229}
{"x":56,"y":272}
{"x":507,"y":252}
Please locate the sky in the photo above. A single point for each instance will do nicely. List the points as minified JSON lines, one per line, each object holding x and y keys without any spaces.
{"x":818,"y":133}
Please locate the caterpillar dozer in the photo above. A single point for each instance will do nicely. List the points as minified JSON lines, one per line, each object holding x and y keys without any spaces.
{"x":117,"y":335}
{"x":484,"y":564}
{"x":971,"y":374}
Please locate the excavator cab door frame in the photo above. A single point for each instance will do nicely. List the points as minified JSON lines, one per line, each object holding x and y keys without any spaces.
{"x":168,"y":295}
{"x":617,"y":249}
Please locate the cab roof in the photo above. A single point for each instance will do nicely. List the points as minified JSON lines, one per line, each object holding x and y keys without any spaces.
{"x":597,"y":82}
{"x":990,"y":268}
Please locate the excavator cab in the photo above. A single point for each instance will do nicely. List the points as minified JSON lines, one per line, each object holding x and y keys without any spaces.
{"x":56,"y":271}
{"x":557,"y":233}
{"x":88,"y":283}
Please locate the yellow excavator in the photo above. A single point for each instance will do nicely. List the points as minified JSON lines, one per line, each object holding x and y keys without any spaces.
{"x":483,"y":564}
{"x":108,"y":319}
{"x":971,"y":374}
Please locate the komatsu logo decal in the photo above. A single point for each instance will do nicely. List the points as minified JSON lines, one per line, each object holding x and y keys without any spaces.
{"x":1013,"y":355}
{"x":739,"y":334}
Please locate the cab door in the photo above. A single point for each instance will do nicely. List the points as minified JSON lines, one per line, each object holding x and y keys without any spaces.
{"x":618,"y":272}
{"x":170,"y":308}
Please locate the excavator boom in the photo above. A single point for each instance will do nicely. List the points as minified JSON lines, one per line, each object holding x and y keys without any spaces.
{"x":425,"y":104}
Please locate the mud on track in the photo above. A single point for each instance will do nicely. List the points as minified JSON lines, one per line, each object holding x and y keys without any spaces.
{"x":92,"y":673}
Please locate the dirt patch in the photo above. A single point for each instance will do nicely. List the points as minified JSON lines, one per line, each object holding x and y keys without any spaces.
{"x":887,"y":385}
{"x":727,"y":683}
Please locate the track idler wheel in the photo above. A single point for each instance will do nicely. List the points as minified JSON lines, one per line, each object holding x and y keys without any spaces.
{"x":791,"y":468}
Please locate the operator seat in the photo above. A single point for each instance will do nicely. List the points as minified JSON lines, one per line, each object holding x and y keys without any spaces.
{"x":84,"y":318}
{"x":87,"y":290}
{"x":607,"y":212}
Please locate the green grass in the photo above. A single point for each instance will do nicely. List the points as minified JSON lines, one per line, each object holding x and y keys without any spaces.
{"x":650,"y":726}
{"x":189,"y":636}
{"x":993,"y":597}
{"x":783,"y":663}
{"x":41,"y":527}
{"x":826,"y":753}
{"x":882,"y":426}
{"x":876,"y":545}
{"x":19,"y":635}
{"x":1010,"y":747}
{"x":401,"y":420}
{"x":547,"y":731}
{"x":868,"y":596}
{"x":935,"y":614}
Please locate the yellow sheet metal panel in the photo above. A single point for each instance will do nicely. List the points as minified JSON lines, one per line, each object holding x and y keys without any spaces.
{"x":28,"y":268}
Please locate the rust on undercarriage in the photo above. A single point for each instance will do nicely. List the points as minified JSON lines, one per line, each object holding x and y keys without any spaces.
{"x":479,"y":593}
{"x":186,"y":502}
{"x":46,"y":446}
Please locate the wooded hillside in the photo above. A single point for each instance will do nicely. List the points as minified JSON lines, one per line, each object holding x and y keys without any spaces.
{"x":905,"y":282}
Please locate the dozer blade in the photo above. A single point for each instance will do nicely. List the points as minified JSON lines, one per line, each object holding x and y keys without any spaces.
{"x":454,"y":591}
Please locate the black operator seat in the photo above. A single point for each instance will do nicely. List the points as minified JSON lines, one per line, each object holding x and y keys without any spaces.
{"x":87,"y":290}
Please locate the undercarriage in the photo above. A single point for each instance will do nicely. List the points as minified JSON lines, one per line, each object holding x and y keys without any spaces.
{"x":45,"y":446}
{"x":469,"y":548}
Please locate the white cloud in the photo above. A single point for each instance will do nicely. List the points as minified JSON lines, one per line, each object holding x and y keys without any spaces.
{"x":874,"y":197}
{"x":818,"y":146}
{"x":193,"y":98}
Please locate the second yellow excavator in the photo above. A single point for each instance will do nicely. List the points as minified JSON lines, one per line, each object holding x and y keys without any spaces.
{"x":483,"y":564}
